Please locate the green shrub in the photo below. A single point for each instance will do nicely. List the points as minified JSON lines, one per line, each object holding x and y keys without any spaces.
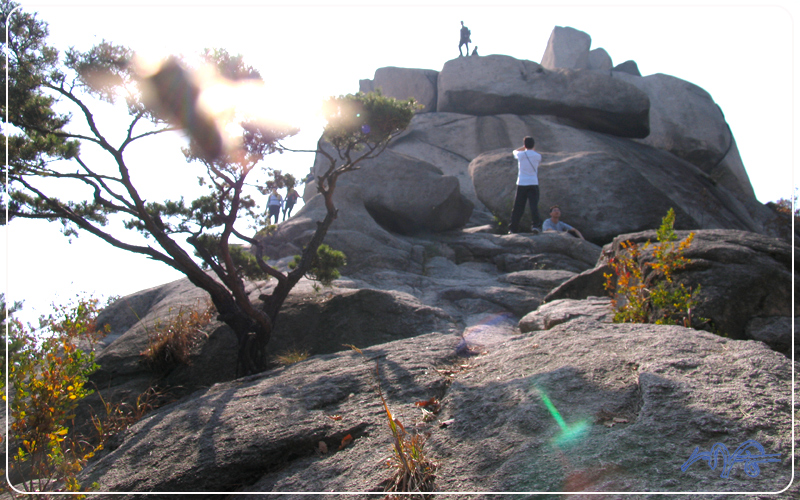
{"x":245,"y":262}
{"x":642,"y":286}
{"x":48,"y":374}
{"x":325,"y":267}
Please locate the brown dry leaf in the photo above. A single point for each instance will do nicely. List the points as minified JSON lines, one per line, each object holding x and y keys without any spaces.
{"x":345,"y":441}
{"x":323,"y":448}
{"x":431,"y":402}
{"x":335,"y":417}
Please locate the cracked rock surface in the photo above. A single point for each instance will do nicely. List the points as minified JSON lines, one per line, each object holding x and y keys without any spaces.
{"x":629,"y":403}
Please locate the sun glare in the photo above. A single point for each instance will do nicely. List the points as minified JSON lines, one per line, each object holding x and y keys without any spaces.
{"x":147,"y":63}
{"x":195,"y":96}
{"x":260,"y":102}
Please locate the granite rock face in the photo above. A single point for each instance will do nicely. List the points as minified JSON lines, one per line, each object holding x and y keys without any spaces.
{"x":776,"y":332}
{"x":599,"y":60}
{"x":634,"y":407}
{"x":629,"y":67}
{"x":132,"y":317}
{"x":495,"y":85}
{"x":404,"y":83}
{"x":561,"y":311}
{"x":685,"y":121}
{"x":607,"y":185}
{"x":589,"y":124}
{"x":567,"y":48}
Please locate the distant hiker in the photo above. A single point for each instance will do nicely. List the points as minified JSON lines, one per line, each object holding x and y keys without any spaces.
{"x":288,"y":204}
{"x":475,"y":51}
{"x":465,"y":40}
{"x":553,"y":224}
{"x":527,"y":185}
{"x":274,"y":205}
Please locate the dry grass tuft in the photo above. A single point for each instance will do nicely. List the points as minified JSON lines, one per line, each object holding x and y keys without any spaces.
{"x":170,"y":342}
{"x":291,"y":357}
{"x":120,"y":416}
{"x":414,"y":471}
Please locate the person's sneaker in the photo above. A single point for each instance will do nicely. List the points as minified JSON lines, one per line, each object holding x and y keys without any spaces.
{"x":535,"y":231}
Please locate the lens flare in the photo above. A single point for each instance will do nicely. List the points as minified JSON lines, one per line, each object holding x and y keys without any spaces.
{"x":488,"y":330}
{"x":211,"y":108}
{"x":569,"y":433}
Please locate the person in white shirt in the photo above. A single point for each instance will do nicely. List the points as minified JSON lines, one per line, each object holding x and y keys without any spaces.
{"x":553,"y":224}
{"x":527,"y":185}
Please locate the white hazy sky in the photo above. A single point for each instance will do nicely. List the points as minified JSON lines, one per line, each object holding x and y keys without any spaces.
{"x":744,"y":55}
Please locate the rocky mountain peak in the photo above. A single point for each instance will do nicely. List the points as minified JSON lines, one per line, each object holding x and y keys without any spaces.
{"x":504,"y":331}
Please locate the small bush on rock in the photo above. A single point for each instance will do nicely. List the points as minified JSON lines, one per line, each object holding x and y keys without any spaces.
{"x":788,"y":213}
{"x":642,"y":286}
{"x":48,"y":368}
{"x":325,"y":267}
{"x":170,"y":342}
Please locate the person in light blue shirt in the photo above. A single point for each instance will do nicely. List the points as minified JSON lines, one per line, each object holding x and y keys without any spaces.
{"x":553,"y":224}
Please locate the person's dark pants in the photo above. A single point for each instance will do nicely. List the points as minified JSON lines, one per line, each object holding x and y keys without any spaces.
{"x":274,"y":211}
{"x":287,"y":210}
{"x":531,"y":195}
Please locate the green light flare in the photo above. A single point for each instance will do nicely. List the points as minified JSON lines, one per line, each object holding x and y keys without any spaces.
{"x":568,"y":434}
{"x":571,"y":434}
{"x":553,"y":410}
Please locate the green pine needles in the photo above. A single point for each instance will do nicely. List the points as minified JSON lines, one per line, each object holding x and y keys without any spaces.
{"x":325,"y":267}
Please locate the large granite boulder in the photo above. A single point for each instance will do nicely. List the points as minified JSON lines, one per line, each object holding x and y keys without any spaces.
{"x":497,"y":84}
{"x":775,"y":331}
{"x":607,"y":185}
{"x":406,"y":195}
{"x":394,"y":194}
{"x":599,"y":60}
{"x":554,"y":313}
{"x":132,"y":318}
{"x":508,"y":251}
{"x":338,"y":317}
{"x":404,"y":83}
{"x":745,"y":281}
{"x":686,"y":121}
{"x":354,"y":232}
{"x":567,"y":48}
{"x":629,"y":67}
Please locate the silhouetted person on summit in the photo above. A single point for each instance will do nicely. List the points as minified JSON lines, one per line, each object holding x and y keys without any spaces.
{"x":465,"y":33}
{"x":475,"y":51}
